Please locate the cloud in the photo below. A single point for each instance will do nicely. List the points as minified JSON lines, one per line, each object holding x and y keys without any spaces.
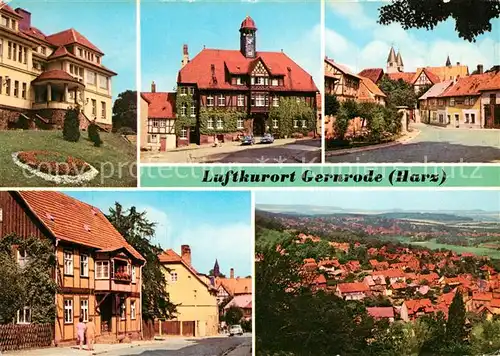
{"x":163,"y":226}
{"x":352,"y":11}
{"x":231,"y":245}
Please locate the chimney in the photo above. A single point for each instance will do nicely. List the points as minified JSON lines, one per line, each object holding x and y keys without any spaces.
{"x":186,"y":254}
{"x":480,"y":69}
{"x":458,"y":63}
{"x":153,"y":87}
{"x":185,"y":56}
{"x":231,"y":273}
{"x":25,"y":23}
{"x":212,"y":69}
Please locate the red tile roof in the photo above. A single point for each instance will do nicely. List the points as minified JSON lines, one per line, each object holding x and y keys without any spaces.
{"x":71,"y":36}
{"x":495,"y":303}
{"x":62,"y":51}
{"x":405,"y":76}
{"x":380,"y":312}
{"x":161,"y":105}
{"x":67,"y":218}
{"x":415,"y":305}
{"x":7,"y":8}
{"x":487,"y":296}
{"x":235,"y":286}
{"x":431,"y":76}
{"x":352,"y":287}
{"x":170,"y":256}
{"x":470,"y":85}
{"x":199,"y":70}
{"x":374,"y":74}
{"x":372,"y":87}
{"x":56,"y":74}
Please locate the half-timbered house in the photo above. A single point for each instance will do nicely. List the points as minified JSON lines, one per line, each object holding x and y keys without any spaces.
{"x":340,"y":81}
{"x":98,"y":273}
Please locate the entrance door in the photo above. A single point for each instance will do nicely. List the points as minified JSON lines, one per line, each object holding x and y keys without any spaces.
{"x":163,"y":144}
{"x":259,"y":126}
{"x":193,"y":135}
{"x":106,"y":311}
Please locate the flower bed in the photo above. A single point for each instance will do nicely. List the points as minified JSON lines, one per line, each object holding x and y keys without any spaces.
{"x":53,"y":163}
{"x":55,"y":167}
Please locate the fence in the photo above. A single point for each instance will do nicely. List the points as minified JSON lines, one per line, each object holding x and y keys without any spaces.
{"x":166,"y":327}
{"x":19,"y":337}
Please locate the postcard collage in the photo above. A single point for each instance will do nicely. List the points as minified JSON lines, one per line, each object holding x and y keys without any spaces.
{"x":250,"y":177}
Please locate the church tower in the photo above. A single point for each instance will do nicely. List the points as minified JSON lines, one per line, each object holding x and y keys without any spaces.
{"x":247,"y":38}
{"x":216,"y":269}
{"x":399,"y":60}
{"x":392,"y":62}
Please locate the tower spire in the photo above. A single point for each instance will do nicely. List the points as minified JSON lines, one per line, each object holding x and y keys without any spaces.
{"x":448,"y":62}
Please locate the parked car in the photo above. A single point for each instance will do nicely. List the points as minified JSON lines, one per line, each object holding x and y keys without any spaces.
{"x":267,"y":138}
{"x":248,"y":140}
{"x":235,"y":330}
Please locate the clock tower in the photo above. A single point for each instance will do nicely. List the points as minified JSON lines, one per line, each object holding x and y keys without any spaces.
{"x":247,"y":38}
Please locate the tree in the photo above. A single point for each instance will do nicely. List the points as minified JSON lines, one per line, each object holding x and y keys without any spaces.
{"x":233,"y":315}
{"x":472,"y":18}
{"x":94,"y":136}
{"x":331,"y":105}
{"x":32,"y":285}
{"x":138,"y":231}
{"x":125,"y":111}
{"x":455,"y":327}
{"x":71,"y":126}
{"x":399,"y":92}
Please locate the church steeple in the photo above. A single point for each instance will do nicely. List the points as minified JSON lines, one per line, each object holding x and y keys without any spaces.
{"x":399,"y":60}
{"x":392,"y":62}
{"x":448,"y":62}
{"x":247,"y":38}
{"x":216,"y":269}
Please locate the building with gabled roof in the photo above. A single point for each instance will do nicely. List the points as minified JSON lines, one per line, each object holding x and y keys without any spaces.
{"x":245,"y":84}
{"x":99,"y":274}
{"x":41,"y":76}
{"x":193,"y":293}
{"x":340,"y":81}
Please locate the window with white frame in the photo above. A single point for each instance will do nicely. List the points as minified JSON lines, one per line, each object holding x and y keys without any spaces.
{"x":260,"y":100}
{"x":68,"y":263}
{"x":123,"y":310}
{"x":193,"y":111}
{"x":184,"y":91}
{"x":210,"y":123}
{"x":184,"y":133}
{"x":452,"y":101}
{"x":304,"y":124}
{"x":84,"y":265}
{"x":239,"y":123}
{"x":132,"y":310}
{"x":91,"y":77}
{"x":210,"y":100}
{"x":238,"y":80}
{"x":84,"y":309}
{"x":24,"y":316}
{"x":68,"y":311}
{"x":103,"y":82}
{"x":276,"y":101}
{"x":220,"y":125}
{"x":173,"y":277}
{"x":191,"y":91}
{"x":153,"y":138}
{"x":274,"y":82}
{"x":22,"y":258}
{"x":295,"y":123}
{"x":275,"y":123}
{"x":184,"y":109}
{"x":102,"y":269}
{"x":241,"y":100}
{"x":222,"y":100}
{"x":133,"y":274}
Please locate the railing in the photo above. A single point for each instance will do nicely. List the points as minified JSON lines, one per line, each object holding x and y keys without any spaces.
{"x":53,"y":105}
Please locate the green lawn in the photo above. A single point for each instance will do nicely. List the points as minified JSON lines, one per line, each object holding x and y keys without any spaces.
{"x":115,"y":159}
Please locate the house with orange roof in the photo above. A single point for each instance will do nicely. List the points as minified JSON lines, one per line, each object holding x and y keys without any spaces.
{"x":380,"y":313}
{"x":194,"y":295}
{"x":243,"y":84}
{"x":369,"y":92}
{"x":229,"y":287}
{"x":413,"y":308}
{"x":157,"y":120}
{"x":431,"y":108}
{"x":352,"y":291}
{"x":374,"y":74}
{"x":99,"y":274}
{"x":341,"y":81}
{"x":42,"y":75}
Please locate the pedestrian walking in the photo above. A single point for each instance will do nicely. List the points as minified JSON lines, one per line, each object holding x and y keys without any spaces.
{"x":80,"y":332}
{"x":90,"y":334}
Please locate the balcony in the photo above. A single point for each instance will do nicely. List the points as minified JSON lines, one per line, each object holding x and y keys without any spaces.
{"x":53,"y":105}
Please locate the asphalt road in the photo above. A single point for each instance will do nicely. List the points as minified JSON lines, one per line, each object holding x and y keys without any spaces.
{"x":214,"y":346}
{"x":306,"y":151}
{"x":434,"y":144}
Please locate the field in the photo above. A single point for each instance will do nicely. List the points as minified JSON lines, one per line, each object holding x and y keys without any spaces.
{"x":432,"y":244}
{"x":115,"y":159}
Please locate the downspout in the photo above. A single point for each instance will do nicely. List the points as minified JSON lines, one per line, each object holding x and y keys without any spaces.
{"x":57,"y":285}
{"x":140,"y":305}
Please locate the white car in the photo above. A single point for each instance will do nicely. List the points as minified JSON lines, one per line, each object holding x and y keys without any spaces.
{"x":235,"y":330}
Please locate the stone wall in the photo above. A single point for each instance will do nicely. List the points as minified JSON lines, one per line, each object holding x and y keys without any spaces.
{"x":8,"y":117}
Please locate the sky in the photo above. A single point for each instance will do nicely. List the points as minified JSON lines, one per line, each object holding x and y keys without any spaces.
{"x":110,"y":26}
{"x":215,"y":224}
{"x":353,"y":38}
{"x":167,"y":26}
{"x":413,"y":200}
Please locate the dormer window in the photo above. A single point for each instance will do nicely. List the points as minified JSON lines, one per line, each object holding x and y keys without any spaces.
{"x":210,"y":100}
{"x":274,"y":82}
{"x":5,"y":21}
{"x":183,"y":91}
{"x":80,"y":52}
{"x":238,"y":81}
{"x":260,"y":80}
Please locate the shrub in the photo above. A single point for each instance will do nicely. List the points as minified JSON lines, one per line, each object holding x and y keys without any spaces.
{"x":126,"y":131}
{"x":246,"y":325}
{"x":71,"y":129}
{"x":94,"y":135}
